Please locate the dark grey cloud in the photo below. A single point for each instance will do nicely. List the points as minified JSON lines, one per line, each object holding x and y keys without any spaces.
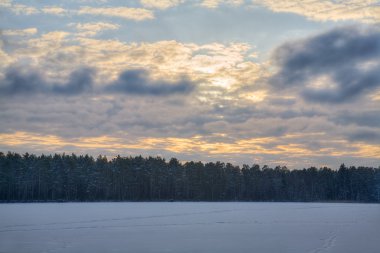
{"x":347,"y":57}
{"x":137,"y":82}
{"x":19,"y":81}
{"x":80,"y":81}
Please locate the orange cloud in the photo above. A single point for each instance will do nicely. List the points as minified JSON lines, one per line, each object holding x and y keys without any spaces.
{"x":194,"y":145}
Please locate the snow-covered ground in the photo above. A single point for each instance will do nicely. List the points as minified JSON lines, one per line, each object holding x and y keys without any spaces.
{"x":190,"y":227}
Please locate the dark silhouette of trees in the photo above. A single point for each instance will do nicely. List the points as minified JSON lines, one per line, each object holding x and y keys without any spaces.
{"x":62,"y":177}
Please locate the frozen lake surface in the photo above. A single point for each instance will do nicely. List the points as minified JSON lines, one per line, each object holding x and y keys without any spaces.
{"x":190,"y":227}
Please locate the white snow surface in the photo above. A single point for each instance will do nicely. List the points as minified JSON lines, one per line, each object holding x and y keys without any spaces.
{"x":190,"y":227}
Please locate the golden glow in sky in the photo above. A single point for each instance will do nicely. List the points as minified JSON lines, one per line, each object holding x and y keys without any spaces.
{"x":275,"y":82}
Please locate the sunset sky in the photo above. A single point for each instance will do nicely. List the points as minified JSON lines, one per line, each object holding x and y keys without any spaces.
{"x":275,"y":82}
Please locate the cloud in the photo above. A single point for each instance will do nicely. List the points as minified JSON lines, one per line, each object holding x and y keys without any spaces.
{"x":92,"y":1}
{"x":80,"y":81}
{"x":226,"y":116}
{"x":6,"y":3}
{"x":369,"y":118}
{"x":22,"y":32}
{"x":24,"y":9}
{"x":18,"y":8}
{"x":19,"y":81}
{"x":137,"y":82}
{"x":280,"y":152}
{"x":364,"y":10}
{"x":370,"y":136}
{"x":54,"y":10}
{"x":214,"y":70}
{"x":219,"y":65}
{"x":162,"y":4}
{"x":333,"y":67}
{"x":137,"y":14}
{"x":91,"y":29}
{"x":212,"y":4}
{"x":5,"y":60}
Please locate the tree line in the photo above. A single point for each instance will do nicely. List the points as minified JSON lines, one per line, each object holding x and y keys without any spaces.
{"x":62,"y":177}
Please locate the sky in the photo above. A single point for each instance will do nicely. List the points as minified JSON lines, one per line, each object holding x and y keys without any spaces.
{"x":275,"y":82}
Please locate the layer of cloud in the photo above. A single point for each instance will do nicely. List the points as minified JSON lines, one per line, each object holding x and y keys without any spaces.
{"x":369,"y":136}
{"x":323,"y":10}
{"x":93,"y":28}
{"x":218,"y":65}
{"x":333,"y":67}
{"x":92,"y":1}
{"x":137,"y":14}
{"x":228,"y":116}
{"x":54,"y":10}
{"x":22,"y":9}
{"x":5,"y":3}
{"x":215,"y":3}
{"x":368,"y":118}
{"x":162,"y":4}
{"x":20,"y":32}
{"x":117,"y":11}
{"x":367,"y":11}
{"x":195,"y":146}
{"x":29,"y":82}
{"x":24,"y":82}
